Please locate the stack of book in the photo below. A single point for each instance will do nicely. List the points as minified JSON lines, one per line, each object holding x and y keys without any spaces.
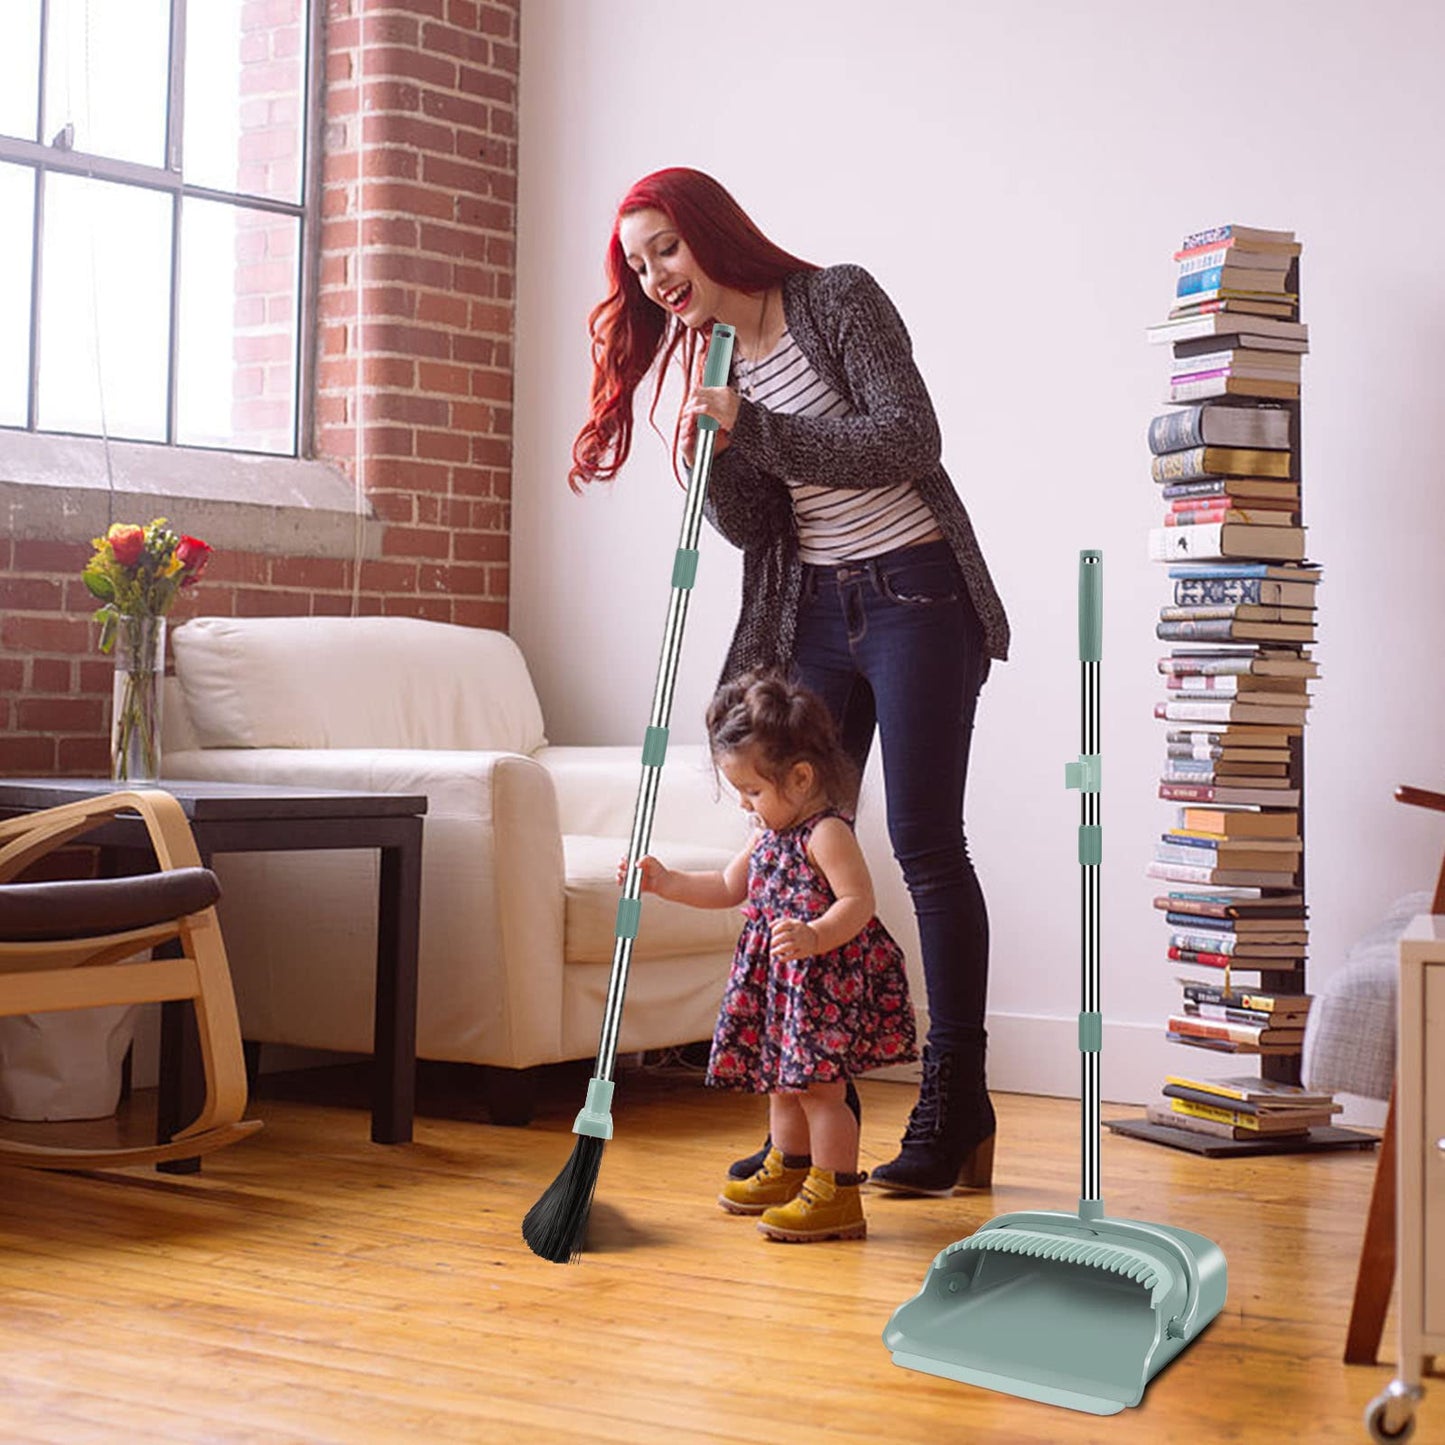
{"x":1241,"y":1108}
{"x":1240,"y":619}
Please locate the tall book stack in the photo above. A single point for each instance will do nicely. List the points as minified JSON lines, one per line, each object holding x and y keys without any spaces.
{"x":1239,"y":621}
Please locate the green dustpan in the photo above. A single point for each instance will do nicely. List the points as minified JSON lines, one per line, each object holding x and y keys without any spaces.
{"x":1071,"y":1309}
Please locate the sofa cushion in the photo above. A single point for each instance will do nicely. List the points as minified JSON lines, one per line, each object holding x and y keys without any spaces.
{"x":355,"y":682}
{"x":1349,"y":1041}
{"x":667,"y":930}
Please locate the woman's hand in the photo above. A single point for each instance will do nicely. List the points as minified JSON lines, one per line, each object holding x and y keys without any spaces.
{"x":793,"y":939}
{"x":653,"y":876}
{"x":718,"y":402}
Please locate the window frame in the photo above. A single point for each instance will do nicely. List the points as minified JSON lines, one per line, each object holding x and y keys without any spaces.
{"x":41,"y":157}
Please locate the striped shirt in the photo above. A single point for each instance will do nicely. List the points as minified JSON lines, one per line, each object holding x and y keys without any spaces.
{"x":835,"y":524}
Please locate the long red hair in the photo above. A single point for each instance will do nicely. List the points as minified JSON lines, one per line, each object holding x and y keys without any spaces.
{"x":629,"y":332}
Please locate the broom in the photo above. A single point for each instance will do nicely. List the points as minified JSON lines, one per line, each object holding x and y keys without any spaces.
{"x":556,"y":1224}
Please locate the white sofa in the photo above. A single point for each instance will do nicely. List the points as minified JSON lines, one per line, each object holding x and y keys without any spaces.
{"x":519,"y":892}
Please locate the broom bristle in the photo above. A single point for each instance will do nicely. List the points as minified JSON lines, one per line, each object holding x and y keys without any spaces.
{"x":556,"y":1224}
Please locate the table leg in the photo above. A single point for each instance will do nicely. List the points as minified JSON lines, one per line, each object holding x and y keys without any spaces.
{"x":1375,"y":1275}
{"x":182,"y":1080}
{"x":394,"y":1036}
{"x":181,"y":1088}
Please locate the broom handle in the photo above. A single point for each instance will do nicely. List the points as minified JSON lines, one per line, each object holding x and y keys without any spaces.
{"x":654,"y":747}
{"x":1091,"y":1023}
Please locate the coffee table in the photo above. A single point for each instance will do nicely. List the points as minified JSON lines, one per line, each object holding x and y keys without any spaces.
{"x":259,"y":818}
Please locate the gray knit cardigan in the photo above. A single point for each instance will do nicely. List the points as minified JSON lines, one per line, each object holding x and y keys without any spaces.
{"x":851,"y":333}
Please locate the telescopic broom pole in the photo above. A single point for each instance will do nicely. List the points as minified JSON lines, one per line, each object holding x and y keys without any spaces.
{"x":556,"y":1225}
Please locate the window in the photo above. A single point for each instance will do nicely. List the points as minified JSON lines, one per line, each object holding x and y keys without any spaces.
{"x":155,"y":219}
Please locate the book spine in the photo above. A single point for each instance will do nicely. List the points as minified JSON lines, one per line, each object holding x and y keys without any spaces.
{"x":1205,"y":993}
{"x":1179,"y":466}
{"x":1207,"y":591}
{"x":1224,"y":629}
{"x":1182,"y":665}
{"x":1166,"y":543}
{"x":1205,"y":942}
{"x":1232,"y":1117}
{"x":1231,"y":385}
{"x":1216,"y":1029}
{"x":1222,"y":539}
{"x":1219,"y":793}
{"x":1209,"y":279}
{"x":1199,"y":516}
{"x":1228,"y":682}
{"x":1175,"y":430}
{"x":1213,"y":235}
{"x":1193,"y":570}
{"x":1255,"y":1018}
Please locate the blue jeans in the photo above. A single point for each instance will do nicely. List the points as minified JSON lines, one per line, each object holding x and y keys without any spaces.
{"x":893,"y":642}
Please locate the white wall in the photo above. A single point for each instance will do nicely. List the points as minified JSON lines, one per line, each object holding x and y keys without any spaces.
{"x":1017,"y":176}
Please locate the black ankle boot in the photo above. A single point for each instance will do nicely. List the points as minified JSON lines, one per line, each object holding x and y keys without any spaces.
{"x":950,"y":1134}
{"x":746,"y":1168}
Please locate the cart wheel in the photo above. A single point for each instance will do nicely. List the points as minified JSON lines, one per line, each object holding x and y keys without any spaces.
{"x":1390,"y":1418}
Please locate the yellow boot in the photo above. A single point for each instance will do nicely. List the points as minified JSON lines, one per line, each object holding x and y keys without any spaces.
{"x":774,"y":1183}
{"x":823,"y":1209}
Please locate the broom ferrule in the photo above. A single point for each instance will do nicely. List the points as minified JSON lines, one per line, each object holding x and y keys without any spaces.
{"x":595,"y":1116}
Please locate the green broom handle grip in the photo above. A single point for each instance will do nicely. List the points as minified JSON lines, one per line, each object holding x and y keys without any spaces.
{"x":1091,"y":606}
{"x":654,"y":750}
{"x":719,"y":363}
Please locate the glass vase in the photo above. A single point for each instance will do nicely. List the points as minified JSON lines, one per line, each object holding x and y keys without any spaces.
{"x":140,"y":665}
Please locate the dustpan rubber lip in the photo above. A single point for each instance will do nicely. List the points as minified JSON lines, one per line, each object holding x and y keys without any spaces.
{"x":1014,"y":1385}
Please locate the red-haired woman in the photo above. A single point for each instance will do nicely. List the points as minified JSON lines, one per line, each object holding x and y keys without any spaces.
{"x":861,"y":573}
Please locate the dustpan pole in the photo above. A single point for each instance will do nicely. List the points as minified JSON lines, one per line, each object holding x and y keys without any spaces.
{"x":1090,"y":858}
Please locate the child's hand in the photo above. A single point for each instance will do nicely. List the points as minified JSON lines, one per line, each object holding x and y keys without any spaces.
{"x":654,"y":875}
{"x":793,"y":939}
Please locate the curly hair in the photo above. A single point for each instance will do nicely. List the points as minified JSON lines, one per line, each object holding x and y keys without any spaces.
{"x":781,"y":722}
{"x":629,"y":333}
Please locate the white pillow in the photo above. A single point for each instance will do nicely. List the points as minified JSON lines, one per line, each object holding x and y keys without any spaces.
{"x":355,"y":682}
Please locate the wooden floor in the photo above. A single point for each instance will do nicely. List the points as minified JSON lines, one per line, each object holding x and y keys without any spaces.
{"x":313,"y":1286}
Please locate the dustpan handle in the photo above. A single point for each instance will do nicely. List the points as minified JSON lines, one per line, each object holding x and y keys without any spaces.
{"x":654,"y":747}
{"x":1084,"y":775}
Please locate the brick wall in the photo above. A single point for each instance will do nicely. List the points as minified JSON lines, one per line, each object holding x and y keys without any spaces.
{"x":426,"y":118}
{"x":272,"y":53}
{"x":429,"y":164}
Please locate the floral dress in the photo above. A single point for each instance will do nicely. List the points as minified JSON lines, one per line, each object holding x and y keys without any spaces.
{"x":785,"y":1025}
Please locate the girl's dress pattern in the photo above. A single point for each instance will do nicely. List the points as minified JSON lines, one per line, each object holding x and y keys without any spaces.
{"x":786,"y":1025}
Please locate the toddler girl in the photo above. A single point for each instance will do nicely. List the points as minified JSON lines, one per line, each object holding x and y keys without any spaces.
{"x":817,"y":991}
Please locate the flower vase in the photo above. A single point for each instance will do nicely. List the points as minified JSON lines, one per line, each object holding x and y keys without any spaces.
{"x":140,"y":665}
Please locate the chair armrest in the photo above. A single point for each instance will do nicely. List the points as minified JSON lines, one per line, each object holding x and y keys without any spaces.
{"x":597,"y":790}
{"x":1421,"y":797}
{"x":25,"y":839}
{"x":493,"y":879}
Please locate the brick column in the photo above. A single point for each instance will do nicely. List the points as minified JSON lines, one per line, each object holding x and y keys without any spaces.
{"x":421,"y":163}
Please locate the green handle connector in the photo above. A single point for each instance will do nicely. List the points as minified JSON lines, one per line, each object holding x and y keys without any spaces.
{"x":1091,"y":606}
{"x":629,"y":915}
{"x":595,"y":1117}
{"x":654,"y":747}
{"x":719,"y":363}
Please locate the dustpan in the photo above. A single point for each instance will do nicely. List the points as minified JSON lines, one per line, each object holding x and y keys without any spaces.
{"x":1078,"y":1310}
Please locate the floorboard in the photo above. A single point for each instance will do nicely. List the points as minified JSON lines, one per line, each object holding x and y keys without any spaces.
{"x":312,"y":1286}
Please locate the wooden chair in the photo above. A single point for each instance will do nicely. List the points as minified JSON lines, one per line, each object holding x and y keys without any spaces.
{"x":1376,"y":1274}
{"x":74,"y":944}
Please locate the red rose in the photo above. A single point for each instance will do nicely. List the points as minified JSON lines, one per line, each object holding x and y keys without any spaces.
{"x":193,"y":554}
{"x":127,"y":543}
